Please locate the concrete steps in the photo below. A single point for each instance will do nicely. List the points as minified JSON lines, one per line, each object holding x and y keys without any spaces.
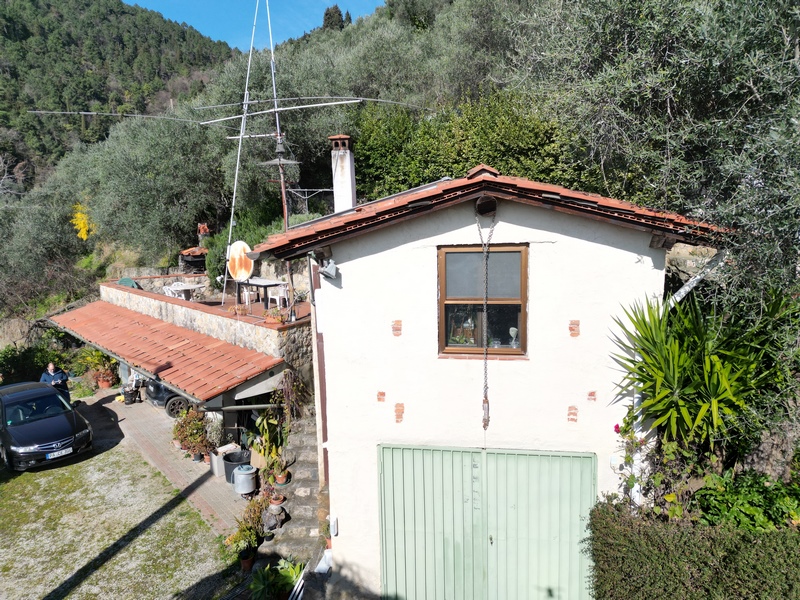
{"x":299,"y":535}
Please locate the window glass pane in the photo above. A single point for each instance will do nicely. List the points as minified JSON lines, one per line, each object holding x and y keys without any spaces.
{"x":503,"y":274}
{"x":464,"y":274}
{"x":465,"y":325}
{"x":464,"y":277}
{"x":504,"y":329}
{"x":462,"y":325}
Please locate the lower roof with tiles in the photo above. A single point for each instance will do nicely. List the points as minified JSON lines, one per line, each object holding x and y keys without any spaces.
{"x":201,"y":366}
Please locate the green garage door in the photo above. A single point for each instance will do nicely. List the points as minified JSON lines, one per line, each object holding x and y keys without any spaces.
{"x":462,"y":524}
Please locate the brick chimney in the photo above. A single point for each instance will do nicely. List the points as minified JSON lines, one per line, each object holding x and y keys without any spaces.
{"x":344,"y":173}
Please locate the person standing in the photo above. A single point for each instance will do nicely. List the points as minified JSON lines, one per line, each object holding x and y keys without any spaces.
{"x":57,"y":378}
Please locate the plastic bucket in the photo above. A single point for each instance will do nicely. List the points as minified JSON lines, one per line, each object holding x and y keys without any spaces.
{"x":244,"y":479}
{"x":233,"y":460}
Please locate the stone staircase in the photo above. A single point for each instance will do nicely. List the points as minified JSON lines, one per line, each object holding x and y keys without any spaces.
{"x":299,"y":536}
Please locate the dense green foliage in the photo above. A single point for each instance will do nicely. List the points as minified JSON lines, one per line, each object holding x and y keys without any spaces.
{"x":501,"y":129}
{"x":750,"y":501}
{"x":27,"y":363}
{"x":686,"y":104}
{"x":706,"y":377}
{"x":82,"y":55}
{"x":641,"y":559}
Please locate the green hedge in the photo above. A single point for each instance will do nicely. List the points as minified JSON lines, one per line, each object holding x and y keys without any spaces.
{"x":636,"y":558}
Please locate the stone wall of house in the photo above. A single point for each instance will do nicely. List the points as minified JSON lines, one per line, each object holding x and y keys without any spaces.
{"x":295,"y":346}
{"x":276,"y":269}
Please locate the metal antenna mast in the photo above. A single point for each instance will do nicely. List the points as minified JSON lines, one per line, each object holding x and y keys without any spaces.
{"x":279,"y":148}
{"x":245,"y":105}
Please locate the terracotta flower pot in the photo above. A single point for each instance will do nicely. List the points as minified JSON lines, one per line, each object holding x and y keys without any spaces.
{"x":103,"y":384}
{"x":247,"y":559}
{"x":280,"y":479}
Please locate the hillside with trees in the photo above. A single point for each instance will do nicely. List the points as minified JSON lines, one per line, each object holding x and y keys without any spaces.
{"x":682,"y":105}
{"x":88,"y":56}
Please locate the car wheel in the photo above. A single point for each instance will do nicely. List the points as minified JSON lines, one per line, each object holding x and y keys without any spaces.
{"x":3,"y":456}
{"x":176,"y":405}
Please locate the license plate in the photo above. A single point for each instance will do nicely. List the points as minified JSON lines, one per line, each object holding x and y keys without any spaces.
{"x":58,"y":453}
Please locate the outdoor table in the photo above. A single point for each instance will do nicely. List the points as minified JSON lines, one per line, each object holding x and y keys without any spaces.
{"x":186,"y":289}
{"x":261,"y":283}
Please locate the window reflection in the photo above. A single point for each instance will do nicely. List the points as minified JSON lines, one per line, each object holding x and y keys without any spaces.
{"x":465,"y":325}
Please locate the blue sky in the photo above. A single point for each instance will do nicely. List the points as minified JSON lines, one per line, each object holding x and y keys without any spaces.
{"x":232,"y":20}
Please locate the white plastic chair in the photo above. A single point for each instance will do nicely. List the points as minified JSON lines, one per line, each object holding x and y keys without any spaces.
{"x":249,"y":296}
{"x":279,"y":293}
{"x":171,"y":293}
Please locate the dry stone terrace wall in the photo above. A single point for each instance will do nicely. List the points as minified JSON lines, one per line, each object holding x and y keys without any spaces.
{"x":210,"y":321}
{"x":295,"y":345}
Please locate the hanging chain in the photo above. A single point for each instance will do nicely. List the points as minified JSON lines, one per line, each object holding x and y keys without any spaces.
{"x":485,"y":327}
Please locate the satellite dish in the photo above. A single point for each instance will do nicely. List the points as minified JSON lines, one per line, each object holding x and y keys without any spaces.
{"x":239,"y":266}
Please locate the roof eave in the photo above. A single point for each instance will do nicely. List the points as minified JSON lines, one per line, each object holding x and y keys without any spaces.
{"x":382,"y":213}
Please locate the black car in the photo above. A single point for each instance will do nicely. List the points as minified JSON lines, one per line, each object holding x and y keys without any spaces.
{"x":160,"y":395}
{"x":39,"y":426}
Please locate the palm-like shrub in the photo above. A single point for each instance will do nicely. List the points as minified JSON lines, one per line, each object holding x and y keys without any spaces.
{"x":702,"y":375}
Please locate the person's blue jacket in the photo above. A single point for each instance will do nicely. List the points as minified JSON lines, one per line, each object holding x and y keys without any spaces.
{"x":58,"y":379}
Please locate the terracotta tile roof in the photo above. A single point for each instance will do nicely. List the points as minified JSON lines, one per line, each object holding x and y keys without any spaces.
{"x":483,"y":181}
{"x":201,"y":366}
{"x":195,"y":251}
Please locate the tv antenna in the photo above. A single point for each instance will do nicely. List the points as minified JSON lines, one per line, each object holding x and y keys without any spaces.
{"x":280,"y":142}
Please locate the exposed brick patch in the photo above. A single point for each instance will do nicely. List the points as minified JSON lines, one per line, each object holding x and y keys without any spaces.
{"x":572,"y":414}
{"x":574,"y":328}
{"x":381,"y":396}
{"x":399,"y":409}
{"x":397,"y":328}
{"x":592,"y":397}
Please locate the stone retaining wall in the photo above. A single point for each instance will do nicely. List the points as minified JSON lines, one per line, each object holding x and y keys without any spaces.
{"x":244,"y":331}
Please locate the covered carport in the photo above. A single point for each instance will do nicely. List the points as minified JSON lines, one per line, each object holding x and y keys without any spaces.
{"x":211,"y":372}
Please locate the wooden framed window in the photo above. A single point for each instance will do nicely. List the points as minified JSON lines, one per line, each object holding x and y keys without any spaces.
{"x":461,"y":294}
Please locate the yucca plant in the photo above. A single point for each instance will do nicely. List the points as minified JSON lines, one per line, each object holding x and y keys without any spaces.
{"x":699,"y":374}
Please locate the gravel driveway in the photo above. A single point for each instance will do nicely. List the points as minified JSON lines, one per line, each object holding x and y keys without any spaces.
{"x":107,"y":525}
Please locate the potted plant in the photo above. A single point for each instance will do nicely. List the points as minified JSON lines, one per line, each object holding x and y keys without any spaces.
{"x":244,"y":542}
{"x":277,"y":581}
{"x":275,"y":315}
{"x":253,"y":516}
{"x":179,"y":430}
{"x":262,"y":442}
{"x":279,"y":466}
{"x":325,"y":530}
{"x":276,"y":498}
{"x":100,"y":367}
{"x":190,"y":430}
{"x":216,"y":436}
{"x":238,"y":309}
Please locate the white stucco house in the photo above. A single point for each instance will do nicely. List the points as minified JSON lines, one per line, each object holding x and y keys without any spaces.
{"x":457,"y":469}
